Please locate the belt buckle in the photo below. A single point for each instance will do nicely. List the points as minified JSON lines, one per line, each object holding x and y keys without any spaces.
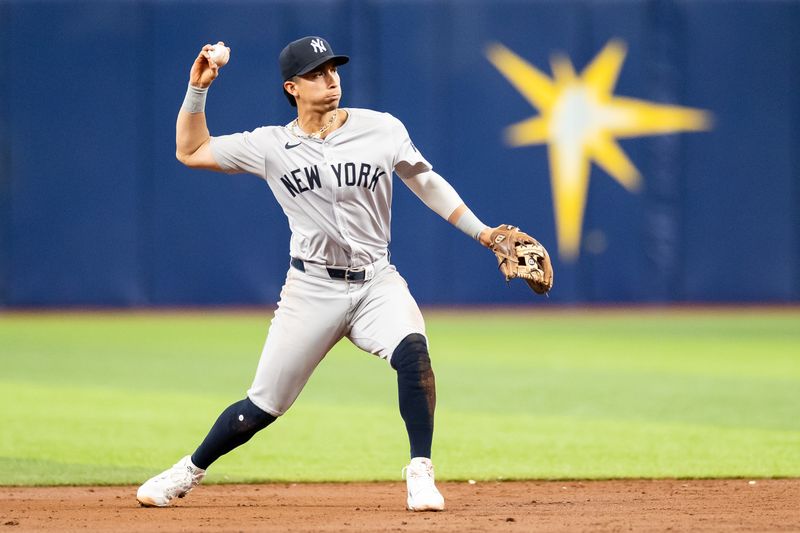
{"x":353,"y":270}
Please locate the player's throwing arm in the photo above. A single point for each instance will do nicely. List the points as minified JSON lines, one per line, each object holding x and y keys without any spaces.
{"x":192,"y":136}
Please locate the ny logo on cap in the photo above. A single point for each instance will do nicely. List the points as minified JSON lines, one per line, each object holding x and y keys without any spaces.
{"x":318,"y":46}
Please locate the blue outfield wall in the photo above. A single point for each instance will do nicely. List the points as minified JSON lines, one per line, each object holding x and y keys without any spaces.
{"x":95,"y":210}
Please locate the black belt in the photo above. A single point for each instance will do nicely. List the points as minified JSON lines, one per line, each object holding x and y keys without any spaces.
{"x":335,"y":273}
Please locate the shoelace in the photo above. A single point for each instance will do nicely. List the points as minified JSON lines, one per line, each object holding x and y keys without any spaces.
{"x":178,"y":474}
{"x":425,"y":472}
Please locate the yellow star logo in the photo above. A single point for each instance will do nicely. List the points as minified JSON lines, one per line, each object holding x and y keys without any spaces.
{"x":580,"y":120}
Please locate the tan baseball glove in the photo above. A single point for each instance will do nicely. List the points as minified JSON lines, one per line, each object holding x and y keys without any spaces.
{"x":521,"y":256}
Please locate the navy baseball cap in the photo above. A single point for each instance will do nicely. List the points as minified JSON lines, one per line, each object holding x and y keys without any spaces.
{"x":304,"y":55}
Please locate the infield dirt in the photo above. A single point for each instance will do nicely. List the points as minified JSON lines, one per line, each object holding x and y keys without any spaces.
{"x":622,"y":505}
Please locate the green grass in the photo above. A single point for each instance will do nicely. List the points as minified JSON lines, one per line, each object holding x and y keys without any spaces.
{"x":93,"y":398}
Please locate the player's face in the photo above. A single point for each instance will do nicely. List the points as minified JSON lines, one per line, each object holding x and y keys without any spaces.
{"x":319,"y":88}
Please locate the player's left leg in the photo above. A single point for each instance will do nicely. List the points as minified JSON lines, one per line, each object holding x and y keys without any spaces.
{"x":387,"y":322}
{"x":416,"y":392}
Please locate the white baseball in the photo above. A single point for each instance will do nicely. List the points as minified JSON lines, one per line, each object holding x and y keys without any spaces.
{"x":220,"y":53}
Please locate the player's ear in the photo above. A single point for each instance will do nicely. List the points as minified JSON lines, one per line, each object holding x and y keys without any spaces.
{"x":291,"y":87}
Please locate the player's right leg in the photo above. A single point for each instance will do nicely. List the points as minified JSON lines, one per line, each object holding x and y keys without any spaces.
{"x":175,"y":482}
{"x":236,"y":425}
{"x":308,"y":322}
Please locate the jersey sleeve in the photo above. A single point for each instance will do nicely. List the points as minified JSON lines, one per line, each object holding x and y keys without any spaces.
{"x":239,"y":152}
{"x":408,"y":161}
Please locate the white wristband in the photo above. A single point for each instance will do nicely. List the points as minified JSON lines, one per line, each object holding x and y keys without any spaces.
{"x":195,"y":100}
{"x":469,"y":224}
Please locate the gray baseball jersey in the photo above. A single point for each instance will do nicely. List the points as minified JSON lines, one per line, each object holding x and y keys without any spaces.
{"x":336,"y":192}
{"x":337,"y":195}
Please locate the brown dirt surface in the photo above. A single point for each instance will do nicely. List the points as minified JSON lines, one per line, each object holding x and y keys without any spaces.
{"x":621,"y":505}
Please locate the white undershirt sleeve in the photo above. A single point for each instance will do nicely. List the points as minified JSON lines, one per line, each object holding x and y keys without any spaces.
{"x":443,"y":199}
{"x":435,"y":192}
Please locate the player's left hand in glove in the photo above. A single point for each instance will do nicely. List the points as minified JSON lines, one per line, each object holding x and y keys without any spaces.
{"x":521,"y":256}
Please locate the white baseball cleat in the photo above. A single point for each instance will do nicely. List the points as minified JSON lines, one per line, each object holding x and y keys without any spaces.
{"x":422,"y":492}
{"x":176,"y":482}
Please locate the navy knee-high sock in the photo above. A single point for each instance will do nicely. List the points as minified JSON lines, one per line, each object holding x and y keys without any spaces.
{"x":235,"y":426}
{"x":416,"y":390}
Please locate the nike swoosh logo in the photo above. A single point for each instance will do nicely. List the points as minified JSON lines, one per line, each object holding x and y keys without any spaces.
{"x":290,"y":146}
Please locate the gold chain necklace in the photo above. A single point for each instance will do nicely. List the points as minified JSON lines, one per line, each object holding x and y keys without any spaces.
{"x":323,"y":129}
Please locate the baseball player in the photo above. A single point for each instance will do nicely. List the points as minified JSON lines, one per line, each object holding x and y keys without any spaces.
{"x":330,"y":170}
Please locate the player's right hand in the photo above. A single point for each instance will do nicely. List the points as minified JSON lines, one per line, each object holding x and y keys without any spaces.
{"x":204,"y":70}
